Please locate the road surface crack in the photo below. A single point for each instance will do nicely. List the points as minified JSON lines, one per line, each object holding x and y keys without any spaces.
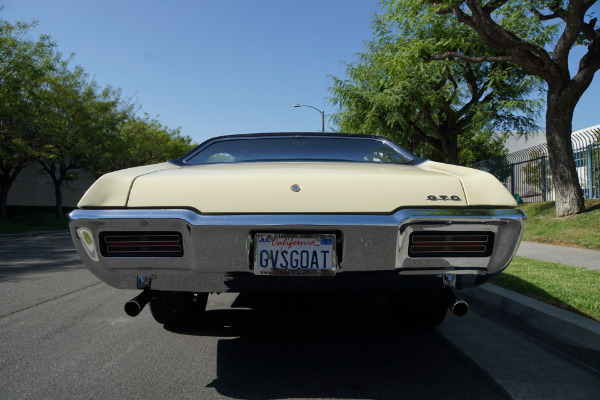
{"x":49,"y":300}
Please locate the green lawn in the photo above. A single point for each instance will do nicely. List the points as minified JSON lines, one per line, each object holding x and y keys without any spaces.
{"x":581,"y":230}
{"x":574,"y":289}
{"x":29,"y":219}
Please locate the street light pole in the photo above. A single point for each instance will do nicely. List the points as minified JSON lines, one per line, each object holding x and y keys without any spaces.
{"x":322,"y":114}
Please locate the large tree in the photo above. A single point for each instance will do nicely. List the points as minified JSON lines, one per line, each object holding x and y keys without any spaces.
{"x":23,"y":67}
{"x":62,"y":119}
{"x":444,"y":110}
{"x":502,"y":24}
{"x":75,"y":118}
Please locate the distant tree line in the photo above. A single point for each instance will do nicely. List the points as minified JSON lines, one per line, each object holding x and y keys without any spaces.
{"x":53,"y":114}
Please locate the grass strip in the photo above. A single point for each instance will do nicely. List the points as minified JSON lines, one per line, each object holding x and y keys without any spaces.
{"x":582,"y":230}
{"x":574,"y":289}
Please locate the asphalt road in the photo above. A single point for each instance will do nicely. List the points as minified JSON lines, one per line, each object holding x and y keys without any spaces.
{"x":63,"y":334}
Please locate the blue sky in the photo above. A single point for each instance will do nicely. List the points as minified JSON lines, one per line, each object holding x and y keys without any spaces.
{"x":216,"y":67}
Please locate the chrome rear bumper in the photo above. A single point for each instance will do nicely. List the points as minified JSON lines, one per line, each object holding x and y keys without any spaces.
{"x":218,"y":248}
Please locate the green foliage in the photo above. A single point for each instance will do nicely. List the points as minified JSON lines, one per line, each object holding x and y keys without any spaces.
{"x":145,"y":141}
{"x":537,"y":172}
{"x":484,"y":145}
{"x":53,"y":114}
{"x":438,"y":108}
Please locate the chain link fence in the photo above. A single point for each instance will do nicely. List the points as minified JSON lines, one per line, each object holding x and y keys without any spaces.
{"x":526,"y":173}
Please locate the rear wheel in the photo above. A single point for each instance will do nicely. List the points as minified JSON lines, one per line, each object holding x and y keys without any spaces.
{"x":418,"y":309}
{"x":178,"y":308}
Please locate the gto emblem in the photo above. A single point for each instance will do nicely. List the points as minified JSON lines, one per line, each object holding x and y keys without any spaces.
{"x":443,"y":197}
{"x":296,"y":188}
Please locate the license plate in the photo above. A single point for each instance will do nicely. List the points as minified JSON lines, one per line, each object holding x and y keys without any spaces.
{"x":294,"y":254}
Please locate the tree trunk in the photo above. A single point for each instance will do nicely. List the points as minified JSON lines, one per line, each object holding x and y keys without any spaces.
{"x":6,"y":181}
{"x":453,"y":156}
{"x":58,"y":197}
{"x":4,"y":187}
{"x":569,"y":198}
{"x":50,"y":168}
{"x":450,"y":148}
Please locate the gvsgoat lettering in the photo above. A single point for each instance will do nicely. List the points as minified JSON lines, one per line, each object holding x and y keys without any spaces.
{"x":283,"y":259}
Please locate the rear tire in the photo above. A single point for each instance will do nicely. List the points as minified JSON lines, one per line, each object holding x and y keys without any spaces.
{"x":178,"y":308}
{"x":418,"y":309}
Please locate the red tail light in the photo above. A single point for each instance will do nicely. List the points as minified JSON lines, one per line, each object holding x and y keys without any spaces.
{"x":451,"y":244}
{"x":141,"y":244}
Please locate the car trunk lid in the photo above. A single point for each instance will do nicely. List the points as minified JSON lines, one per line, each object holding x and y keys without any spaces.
{"x":294,"y":187}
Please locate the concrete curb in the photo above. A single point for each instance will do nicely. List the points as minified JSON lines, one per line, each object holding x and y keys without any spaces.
{"x":573,"y":334}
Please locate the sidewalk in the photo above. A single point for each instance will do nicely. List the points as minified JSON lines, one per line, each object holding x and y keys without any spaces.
{"x":558,"y":254}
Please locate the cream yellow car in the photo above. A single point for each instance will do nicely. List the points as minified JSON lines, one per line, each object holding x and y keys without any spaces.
{"x":297,"y":212}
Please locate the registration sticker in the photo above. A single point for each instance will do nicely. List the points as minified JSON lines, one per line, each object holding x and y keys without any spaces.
{"x":294,"y":254}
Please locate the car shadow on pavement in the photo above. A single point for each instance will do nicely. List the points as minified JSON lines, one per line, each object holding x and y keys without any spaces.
{"x":333,"y":346}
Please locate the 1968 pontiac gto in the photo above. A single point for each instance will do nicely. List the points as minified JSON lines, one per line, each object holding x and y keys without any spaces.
{"x":297,"y":212}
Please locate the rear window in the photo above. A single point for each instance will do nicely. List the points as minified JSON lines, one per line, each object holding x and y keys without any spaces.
{"x":293,"y":148}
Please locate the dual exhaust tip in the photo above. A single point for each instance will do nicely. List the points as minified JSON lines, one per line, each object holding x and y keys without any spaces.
{"x":457,"y":306}
{"x":134,"y":307}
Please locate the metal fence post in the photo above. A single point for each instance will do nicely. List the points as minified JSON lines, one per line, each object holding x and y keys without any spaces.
{"x":544,"y":188}
{"x":512,"y":179}
{"x":589,"y":193}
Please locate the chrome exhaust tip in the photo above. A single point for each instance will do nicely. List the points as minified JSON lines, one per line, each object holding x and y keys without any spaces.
{"x":457,"y":306}
{"x":134,"y":307}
